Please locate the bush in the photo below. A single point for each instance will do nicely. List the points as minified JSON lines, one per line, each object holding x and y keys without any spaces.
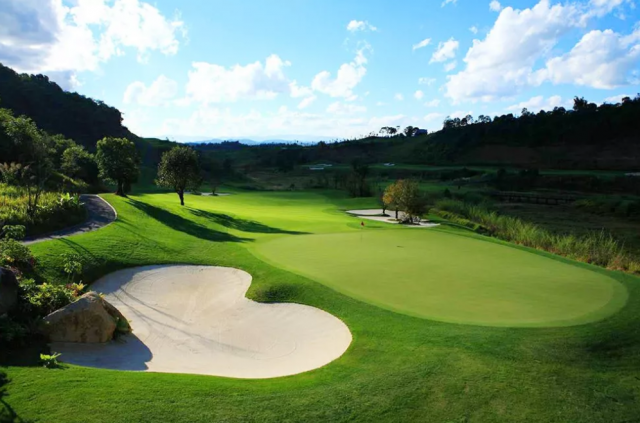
{"x":16,"y":256}
{"x":54,"y":211}
{"x":50,"y":361}
{"x":39,"y":300}
{"x":599,"y":248}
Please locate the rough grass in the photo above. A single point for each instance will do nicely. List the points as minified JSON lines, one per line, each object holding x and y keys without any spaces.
{"x":597,"y":247}
{"x":398,"y":369}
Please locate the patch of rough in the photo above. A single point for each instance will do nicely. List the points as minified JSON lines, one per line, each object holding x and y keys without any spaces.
{"x":376,"y":214}
{"x":196,"y":319}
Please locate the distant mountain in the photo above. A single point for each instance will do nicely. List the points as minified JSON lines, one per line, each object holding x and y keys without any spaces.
{"x":250,"y":142}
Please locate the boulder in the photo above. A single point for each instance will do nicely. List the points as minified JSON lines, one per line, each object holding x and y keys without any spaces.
{"x":90,"y":319}
{"x":8,"y":290}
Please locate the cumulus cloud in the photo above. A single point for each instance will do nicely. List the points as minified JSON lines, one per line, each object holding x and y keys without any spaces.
{"x":211,"y":83}
{"x":306,"y":102}
{"x":446,"y":2}
{"x":535,"y":104}
{"x":355,"y":26}
{"x":601,"y":59}
{"x":446,"y":50}
{"x":495,"y":6}
{"x":418,"y":95}
{"x":474,"y":29}
{"x":614,"y":99}
{"x":421,"y":44}
{"x":159,"y":93}
{"x":347,"y":78}
{"x":508,"y":60}
{"x":45,"y":36}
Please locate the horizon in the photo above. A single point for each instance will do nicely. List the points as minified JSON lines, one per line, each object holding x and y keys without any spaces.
{"x":308,"y":72}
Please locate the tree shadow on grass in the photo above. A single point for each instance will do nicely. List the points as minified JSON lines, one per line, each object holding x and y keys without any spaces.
{"x":241,"y":224}
{"x":187,"y":226}
{"x":7,"y":413}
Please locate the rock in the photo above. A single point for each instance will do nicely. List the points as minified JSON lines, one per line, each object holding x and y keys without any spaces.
{"x":8,"y":290}
{"x":91,"y":319}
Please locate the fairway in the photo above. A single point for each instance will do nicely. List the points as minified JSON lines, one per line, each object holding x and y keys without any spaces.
{"x":452,"y":278}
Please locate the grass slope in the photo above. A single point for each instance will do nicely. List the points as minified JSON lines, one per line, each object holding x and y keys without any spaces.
{"x":399,"y":368}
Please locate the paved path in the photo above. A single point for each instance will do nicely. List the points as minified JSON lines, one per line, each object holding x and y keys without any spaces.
{"x":99,"y":214}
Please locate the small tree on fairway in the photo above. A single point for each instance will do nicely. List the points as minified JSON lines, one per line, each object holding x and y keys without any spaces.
{"x":118,"y":161}
{"x":179,"y":169}
{"x":412,"y":201}
{"x":390,"y":197}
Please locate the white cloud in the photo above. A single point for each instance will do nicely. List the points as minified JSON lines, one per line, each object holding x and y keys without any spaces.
{"x":445,"y":51}
{"x":45,"y":36}
{"x":208,"y":122}
{"x":504,"y":63}
{"x":398,"y":97}
{"x":298,"y":91}
{"x":211,"y":83}
{"x":495,"y":6}
{"x":347,"y":78}
{"x":535,"y":104}
{"x":432,"y":103}
{"x":446,"y":2}
{"x":450,"y":66}
{"x":426,"y":81}
{"x":460,"y":114}
{"x":381,"y":103}
{"x":306,"y":102}
{"x":418,"y":95}
{"x":616,"y":98}
{"x":501,"y":64}
{"x":601,"y":59}
{"x":355,"y":26}
{"x":345,"y":108}
{"x":421,"y":44}
{"x":159,"y":93}
{"x":474,"y":29}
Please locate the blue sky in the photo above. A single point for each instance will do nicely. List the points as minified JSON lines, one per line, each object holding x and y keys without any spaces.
{"x":294,"y":69}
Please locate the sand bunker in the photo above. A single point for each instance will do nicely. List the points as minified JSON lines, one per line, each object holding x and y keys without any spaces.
{"x":376,"y":214}
{"x":196,"y":319}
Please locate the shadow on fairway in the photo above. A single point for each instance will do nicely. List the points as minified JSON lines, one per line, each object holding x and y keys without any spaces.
{"x":7,"y":414}
{"x":187,"y":226}
{"x":241,"y":224}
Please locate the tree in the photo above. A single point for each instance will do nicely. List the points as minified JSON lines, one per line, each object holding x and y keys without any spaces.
{"x":179,"y":169}
{"x":77,"y":162}
{"x":360,"y":172}
{"x":34,"y":166}
{"x":410,"y":131}
{"x":118,"y":161}
{"x":390,"y":197}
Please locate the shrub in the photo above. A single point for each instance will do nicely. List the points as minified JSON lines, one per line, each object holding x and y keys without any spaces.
{"x":54,"y":210}
{"x":43,"y":299}
{"x":599,"y":248}
{"x":16,"y":232}
{"x":50,"y":361}
{"x":16,"y":255}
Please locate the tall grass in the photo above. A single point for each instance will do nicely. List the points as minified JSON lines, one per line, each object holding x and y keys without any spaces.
{"x":55,"y":210}
{"x":599,"y":248}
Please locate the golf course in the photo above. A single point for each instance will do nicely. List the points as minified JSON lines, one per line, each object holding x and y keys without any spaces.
{"x":439,"y":324}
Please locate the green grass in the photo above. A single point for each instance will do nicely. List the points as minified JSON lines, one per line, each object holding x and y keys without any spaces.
{"x":398,"y":368}
{"x":453,"y":278}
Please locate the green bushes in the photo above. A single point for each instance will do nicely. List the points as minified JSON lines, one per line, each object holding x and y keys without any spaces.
{"x":54,"y":211}
{"x":599,"y":248}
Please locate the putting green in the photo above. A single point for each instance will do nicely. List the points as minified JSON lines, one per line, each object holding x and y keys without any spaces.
{"x":451,"y":278}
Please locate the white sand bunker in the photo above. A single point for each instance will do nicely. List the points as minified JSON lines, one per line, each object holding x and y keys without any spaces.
{"x":376,"y":214}
{"x":196,"y":319}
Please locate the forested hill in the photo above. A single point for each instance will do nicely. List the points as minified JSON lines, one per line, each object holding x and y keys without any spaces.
{"x":59,"y":112}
